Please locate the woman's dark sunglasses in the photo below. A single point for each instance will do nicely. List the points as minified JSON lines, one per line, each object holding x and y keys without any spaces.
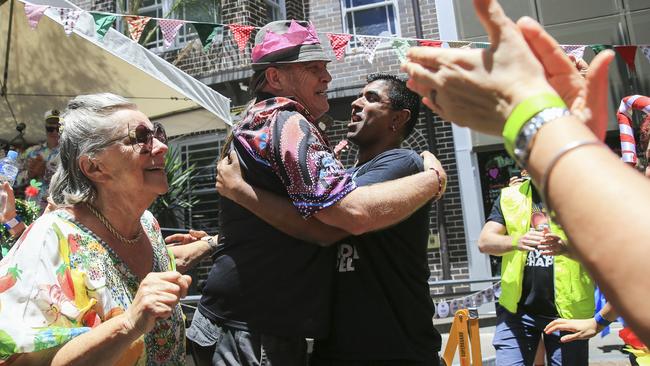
{"x":142,"y":137}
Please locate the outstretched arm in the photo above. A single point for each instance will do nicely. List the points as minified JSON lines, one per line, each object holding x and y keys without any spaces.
{"x":581,"y":328}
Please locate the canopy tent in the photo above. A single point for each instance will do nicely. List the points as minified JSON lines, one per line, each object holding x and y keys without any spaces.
{"x":44,"y":68}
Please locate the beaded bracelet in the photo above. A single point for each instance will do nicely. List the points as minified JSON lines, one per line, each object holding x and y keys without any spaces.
{"x":439,"y":193}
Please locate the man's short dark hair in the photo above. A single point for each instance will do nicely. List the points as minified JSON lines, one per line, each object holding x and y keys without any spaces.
{"x":400,"y":97}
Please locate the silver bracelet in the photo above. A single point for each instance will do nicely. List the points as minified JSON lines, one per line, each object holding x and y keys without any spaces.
{"x":563,"y":151}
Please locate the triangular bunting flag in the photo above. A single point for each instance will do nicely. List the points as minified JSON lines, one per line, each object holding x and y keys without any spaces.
{"x":646,"y":51}
{"x":102,"y":23}
{"x":34,"y":13}
{"x":575,"y":50}
{"x":209,"y":34}
{"x":401,"y":46}
{"x":169,"y":28}
{"x":69,"y":18}
{"x":458,"y":44}
{"x":599,"y":47}
{"x":242,"y":34}
{"x":628,"y":53}
{"x":136,"y":26}
{"x":426,"y":43}
{"x":338,"y":43}
{"x":370,"y":45}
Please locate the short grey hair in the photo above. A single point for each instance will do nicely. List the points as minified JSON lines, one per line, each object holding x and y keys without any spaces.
{"x":88,"y":128}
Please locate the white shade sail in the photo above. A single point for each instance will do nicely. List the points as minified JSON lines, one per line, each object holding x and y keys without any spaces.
{"x":45,"y":68}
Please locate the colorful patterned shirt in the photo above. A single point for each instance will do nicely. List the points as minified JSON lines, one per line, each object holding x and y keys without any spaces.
{"x":281,"y":134}
{"x":60,"y":280}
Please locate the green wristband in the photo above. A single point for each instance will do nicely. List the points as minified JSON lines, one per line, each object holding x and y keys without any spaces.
{"x":523,"y":112}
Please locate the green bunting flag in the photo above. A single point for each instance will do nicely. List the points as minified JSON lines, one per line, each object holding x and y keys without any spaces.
{"x":208,"y":34}
{"x":600,"y":47}
{"x":102,"y":23}
{"x":401,"y":46}
{"x":480,"y":45}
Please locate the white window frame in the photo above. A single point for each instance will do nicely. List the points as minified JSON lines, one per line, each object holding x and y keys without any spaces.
{"x":345,"y":11}
{"x":279,"y":6}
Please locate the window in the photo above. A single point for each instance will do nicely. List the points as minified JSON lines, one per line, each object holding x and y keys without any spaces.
{"x":275,"y":10}
{"x":370,"y":17}
{"x":190,"y":10}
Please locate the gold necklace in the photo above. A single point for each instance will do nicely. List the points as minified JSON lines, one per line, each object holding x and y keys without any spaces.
{"x":110,"y":227}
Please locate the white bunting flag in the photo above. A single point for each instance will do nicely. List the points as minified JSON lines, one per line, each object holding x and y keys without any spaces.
{"x":369,"y":45}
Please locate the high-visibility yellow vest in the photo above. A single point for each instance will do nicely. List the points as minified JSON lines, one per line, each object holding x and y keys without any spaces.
{"x":574,"y":288}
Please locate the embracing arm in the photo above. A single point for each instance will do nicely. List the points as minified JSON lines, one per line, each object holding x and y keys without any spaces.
{"x":381,"y":205}
{"x":277,"y":211}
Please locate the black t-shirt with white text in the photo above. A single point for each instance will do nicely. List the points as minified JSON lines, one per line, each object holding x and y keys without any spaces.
{"x":538,"y":293}
{"x":382,"y":307}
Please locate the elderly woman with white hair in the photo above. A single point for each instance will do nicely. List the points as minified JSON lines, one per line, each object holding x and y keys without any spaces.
{"x":92,"y":282}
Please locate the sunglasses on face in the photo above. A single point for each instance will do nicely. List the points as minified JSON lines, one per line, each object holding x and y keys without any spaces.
{"x":141,"y":137}
{"x":52,"y":128}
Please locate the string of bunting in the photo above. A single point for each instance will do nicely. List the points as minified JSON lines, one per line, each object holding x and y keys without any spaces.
{"x":211,"y":34}
{"x":445,"y":309}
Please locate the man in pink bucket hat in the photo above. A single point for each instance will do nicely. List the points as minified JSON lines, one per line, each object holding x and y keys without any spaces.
{"x":267,"y":289}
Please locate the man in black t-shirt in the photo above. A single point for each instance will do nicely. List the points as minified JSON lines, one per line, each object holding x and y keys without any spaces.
{"x":381,"y":307}
{"x":528,"y":300}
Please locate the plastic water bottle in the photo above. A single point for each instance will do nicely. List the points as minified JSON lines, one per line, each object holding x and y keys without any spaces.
{"x":9,"y":168}
{"x":8,"y":173}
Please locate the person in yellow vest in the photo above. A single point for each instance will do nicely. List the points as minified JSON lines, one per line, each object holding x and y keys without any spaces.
{"x":539,"y":280}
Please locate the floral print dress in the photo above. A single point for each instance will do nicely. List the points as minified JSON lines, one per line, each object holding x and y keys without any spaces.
{"x":60,"y":280}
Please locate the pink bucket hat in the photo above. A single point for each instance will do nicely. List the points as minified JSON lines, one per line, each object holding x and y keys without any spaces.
{"x":286,"y":41}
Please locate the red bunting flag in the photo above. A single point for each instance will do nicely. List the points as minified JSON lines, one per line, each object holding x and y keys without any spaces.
{"x":628,"y":53}
{"x":339,"y":42}
{"x":169,"y":28}
{"x":425,"y":43}
{"x":136,"y":26}
{"x":242,"y":34}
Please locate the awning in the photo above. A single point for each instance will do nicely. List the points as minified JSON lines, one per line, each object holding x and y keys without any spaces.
{"x":46,"y":68}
